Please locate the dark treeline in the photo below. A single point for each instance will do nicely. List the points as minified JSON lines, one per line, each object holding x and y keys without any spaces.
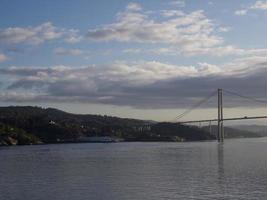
{"x":34,"y":125}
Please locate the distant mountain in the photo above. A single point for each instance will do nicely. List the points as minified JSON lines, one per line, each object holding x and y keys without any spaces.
{"x":230,"y":132}
{"x":51,"y":125}
{"x":258,"y":129}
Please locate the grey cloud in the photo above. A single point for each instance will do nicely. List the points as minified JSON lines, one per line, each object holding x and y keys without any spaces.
{"x":23,"y":71}
{"x":142,"y":85}
{"x":27,"y":84}
{"x":161,"y":94}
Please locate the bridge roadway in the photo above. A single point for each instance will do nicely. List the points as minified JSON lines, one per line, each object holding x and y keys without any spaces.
{"x":225,"y":119}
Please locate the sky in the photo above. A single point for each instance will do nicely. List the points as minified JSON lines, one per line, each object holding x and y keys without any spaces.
{"x":140,"y":59}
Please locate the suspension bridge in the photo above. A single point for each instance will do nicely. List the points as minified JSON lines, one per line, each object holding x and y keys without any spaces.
{"x":220,"y":119}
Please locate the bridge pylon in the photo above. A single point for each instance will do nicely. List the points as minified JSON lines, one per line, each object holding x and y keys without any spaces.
{"x":220,"y":133}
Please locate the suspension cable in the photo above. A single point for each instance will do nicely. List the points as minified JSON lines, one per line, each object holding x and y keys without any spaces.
{"x":245,"y":97}
{"x":195,"y":106}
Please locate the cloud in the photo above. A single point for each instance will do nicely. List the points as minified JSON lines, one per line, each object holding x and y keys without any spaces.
{"x":31,"y":35}
{"x":172,"y":13}
{"x":224,"y":29}
{"x":260,"y":5}
{"x":184,"y":30}
{"x":155,"y":51}
{"x":3,"y":58}
{"x":72,"y":36}
{"x":213,"y":51}
{"x":219,"y":51}
{"x":132,"y":51}
{"x":187,"y":34}
{"x":177,"y":3}
{"x":68,"y":52}
{"x":241,"y":12}
{"x":138,"y":84}
{"x":36,"y":35}
{"x":210,"y":3}
{"x":134,"y":7}
{"x":164,"y":51}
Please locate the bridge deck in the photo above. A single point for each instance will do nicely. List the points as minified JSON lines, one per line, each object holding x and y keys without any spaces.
{"x":226,"y":119}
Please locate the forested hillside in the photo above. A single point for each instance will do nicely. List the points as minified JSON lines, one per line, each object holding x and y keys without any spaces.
{"x":50,"y":125}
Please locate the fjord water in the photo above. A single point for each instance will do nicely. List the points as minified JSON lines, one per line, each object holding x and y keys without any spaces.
{"x":236,"y":169}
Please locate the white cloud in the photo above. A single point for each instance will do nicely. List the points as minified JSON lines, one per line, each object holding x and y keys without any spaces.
{"x":37,"y":35}
{"x":155,"y":51}
{"x":213,"y":51}
{"x":172,"y":13}
{"x":218,"y":51}
{"x":31,"y":35}
{"x":3,"y":58}
{"x":164,"y":51}
{"x":224,"y":51}
{"x":68,"y":52}
{"x":224,"y":29}
{"x":73,"y":36}
{"x":132,"y":51}
{"x":241,"y":12}
{"x":182,"y":31}
{"x":187,"y":34}
{"x":134,"y":7}
{"x":260,"y":5}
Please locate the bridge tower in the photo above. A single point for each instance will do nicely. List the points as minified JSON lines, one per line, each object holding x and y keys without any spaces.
{"x":220,"y":134}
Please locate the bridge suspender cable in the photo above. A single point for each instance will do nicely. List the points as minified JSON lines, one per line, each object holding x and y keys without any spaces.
{"x":197,"y":105}
{"x":220,"y":134}
{"x":244,"y":97}
{"x":220,"y":111}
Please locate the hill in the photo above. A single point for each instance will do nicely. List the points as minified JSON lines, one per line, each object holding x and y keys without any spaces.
{"x":49,"y":125}
{"x":230,"y":132}
{"x":258,"y":129}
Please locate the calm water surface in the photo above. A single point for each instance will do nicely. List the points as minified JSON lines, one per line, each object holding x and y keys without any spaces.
{"x":135,"y":171}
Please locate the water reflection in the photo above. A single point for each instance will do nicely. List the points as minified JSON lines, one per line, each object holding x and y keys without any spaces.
{"x":220,"y":157}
